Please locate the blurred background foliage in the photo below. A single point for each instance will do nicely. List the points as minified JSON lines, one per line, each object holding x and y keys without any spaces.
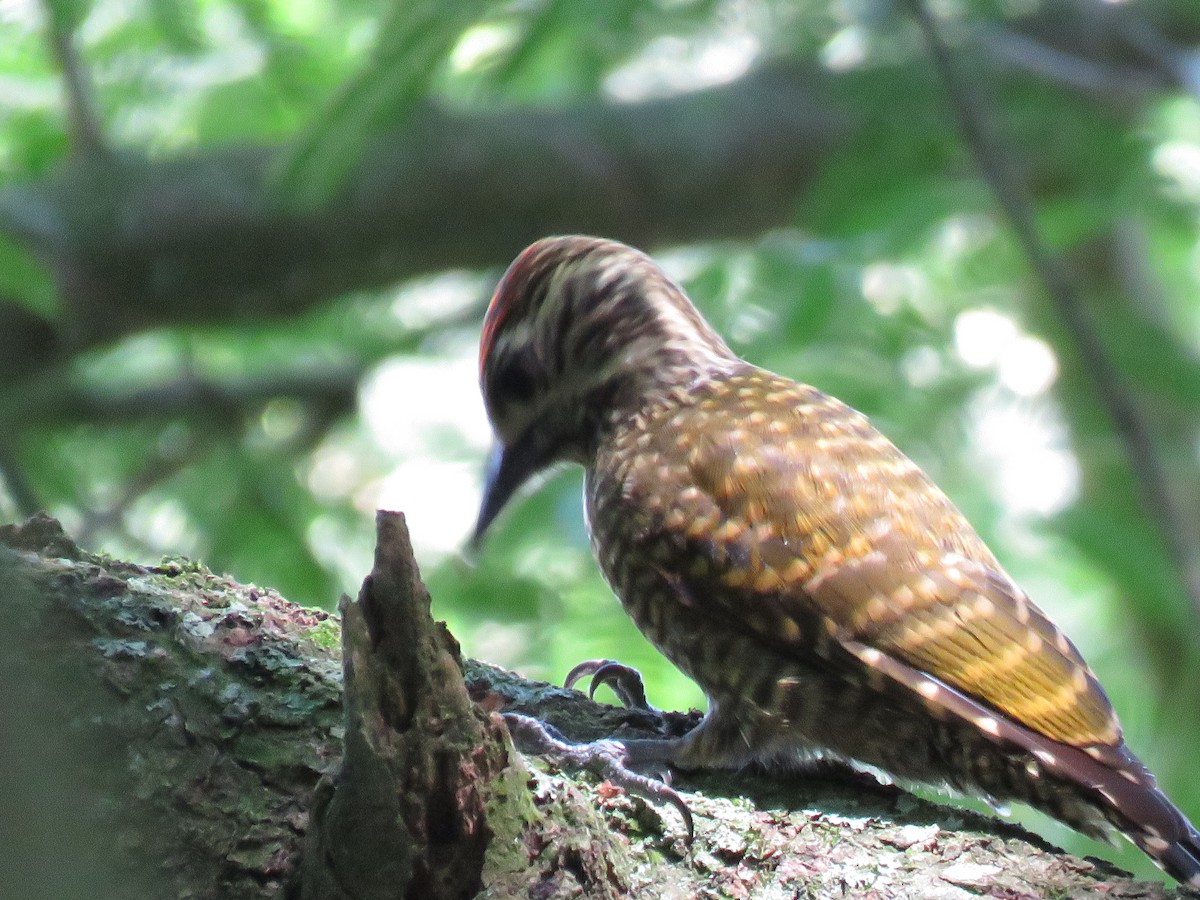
{"x":245,"y":246}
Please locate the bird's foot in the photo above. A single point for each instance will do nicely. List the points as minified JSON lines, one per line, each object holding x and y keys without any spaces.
{"x":611,"y":759}
{"x":625,"y":681}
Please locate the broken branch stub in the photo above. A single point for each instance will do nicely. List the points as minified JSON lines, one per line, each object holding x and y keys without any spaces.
{"x":407,"y":814}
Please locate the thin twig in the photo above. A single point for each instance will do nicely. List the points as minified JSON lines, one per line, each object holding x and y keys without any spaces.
{"x":1095,"y":76}
{"x":24,"y":495}
{"x":161,"y":466}
{"x":55,"y":400}
{"x":1014,"y":200}
{"x":1144,"y":37}
{"x":83,"y":121}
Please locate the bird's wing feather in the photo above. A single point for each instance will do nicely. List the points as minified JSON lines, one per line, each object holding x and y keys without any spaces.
{"x":827,"y":527}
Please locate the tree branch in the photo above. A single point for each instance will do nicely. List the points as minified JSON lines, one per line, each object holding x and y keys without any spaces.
{"x":51,"y":401}
{"x":161,"y":464}
{"x":1128,"y":421}
{"x":422,"y":787}
{"x":135,"y":243}
{"x":83,"y":122}
{"x":1096,"y":77}
{"x":24,"y":495}
{"x":170,"y":726}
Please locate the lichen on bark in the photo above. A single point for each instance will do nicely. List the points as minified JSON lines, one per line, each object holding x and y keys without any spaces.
{"x":165,"y":729}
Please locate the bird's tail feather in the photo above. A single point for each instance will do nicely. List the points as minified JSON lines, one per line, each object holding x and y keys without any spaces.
{"x":1125,"y":793}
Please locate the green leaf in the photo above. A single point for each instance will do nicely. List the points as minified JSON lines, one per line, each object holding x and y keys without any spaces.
{"x":179,"y":24}
{"x":24,"y":280}
{"x":413,"y":43}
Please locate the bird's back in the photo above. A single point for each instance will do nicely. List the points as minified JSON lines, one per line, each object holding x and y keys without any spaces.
{"x":779,"y":514}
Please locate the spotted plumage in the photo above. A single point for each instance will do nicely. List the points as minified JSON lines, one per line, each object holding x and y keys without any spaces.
{"x":828,"y":598}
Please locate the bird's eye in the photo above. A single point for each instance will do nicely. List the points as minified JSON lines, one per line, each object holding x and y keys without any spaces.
{"x":514,"y":379}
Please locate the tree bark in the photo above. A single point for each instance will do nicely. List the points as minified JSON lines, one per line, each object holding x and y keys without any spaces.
{"x":166,"y":730}
{"x":424,"y":771}
{"x":134,"y":243}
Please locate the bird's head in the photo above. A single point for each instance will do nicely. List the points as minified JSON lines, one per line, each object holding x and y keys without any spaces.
{"x":579,"y":330}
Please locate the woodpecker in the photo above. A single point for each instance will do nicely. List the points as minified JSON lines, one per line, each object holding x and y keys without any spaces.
{"x":827,"y":597}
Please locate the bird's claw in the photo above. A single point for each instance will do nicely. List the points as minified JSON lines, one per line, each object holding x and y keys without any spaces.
{"x":607,"y":758}
{"x":625,"y":681}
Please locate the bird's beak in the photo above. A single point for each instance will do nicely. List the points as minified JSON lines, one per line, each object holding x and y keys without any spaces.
{"x":494,"y":494}
{"x":508,"y":467}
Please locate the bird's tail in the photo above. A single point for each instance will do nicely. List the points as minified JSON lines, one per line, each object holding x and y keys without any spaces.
{"x":1124,"y":792}
{"x":1144,"y":815}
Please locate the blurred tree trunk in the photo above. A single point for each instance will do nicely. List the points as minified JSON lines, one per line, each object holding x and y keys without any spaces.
{"x":164,"y":731}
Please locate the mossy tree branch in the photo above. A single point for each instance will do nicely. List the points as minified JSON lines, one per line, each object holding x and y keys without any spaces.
{"x":166,"y":729}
